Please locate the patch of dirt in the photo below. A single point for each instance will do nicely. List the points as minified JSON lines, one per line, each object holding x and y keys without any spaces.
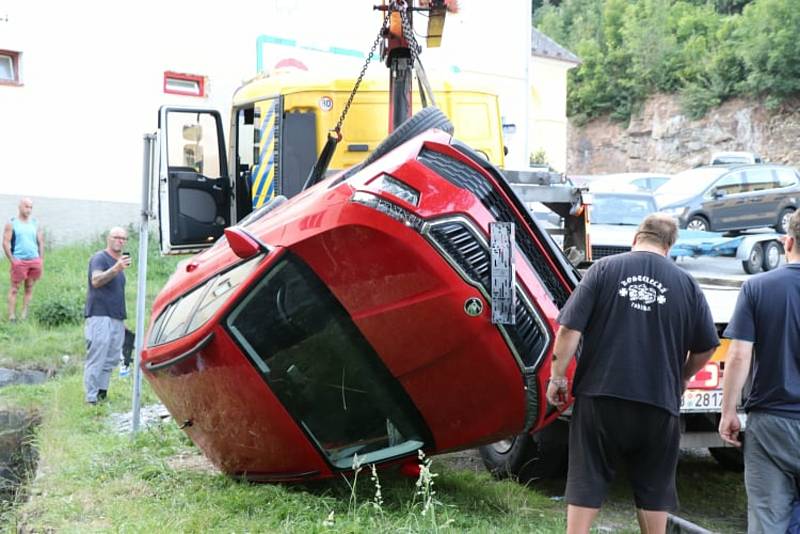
{"x":192,"y":461}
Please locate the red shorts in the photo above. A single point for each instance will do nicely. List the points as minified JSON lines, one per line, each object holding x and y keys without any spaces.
{"x":26,"y":270}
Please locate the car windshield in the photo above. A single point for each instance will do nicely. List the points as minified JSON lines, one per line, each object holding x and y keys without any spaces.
{"x":691,"y":182}
{"x":621,"y":209}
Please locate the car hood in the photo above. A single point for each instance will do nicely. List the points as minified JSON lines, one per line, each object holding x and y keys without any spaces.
{"x":672,"y":201}
{"x":614,"y":235}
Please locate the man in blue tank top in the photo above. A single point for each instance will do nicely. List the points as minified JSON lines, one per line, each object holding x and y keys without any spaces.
{"x":23,"y":244}
{"x":765,"y":343}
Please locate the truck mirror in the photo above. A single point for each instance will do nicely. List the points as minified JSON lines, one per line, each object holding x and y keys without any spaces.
{"x":193,"y":157}
{"x":192,"y":132}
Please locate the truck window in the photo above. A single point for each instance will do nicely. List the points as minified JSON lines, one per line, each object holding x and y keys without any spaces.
{"x":193,"y":144}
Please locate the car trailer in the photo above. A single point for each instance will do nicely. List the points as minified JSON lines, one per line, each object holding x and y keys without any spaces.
{"x":757,"y":252}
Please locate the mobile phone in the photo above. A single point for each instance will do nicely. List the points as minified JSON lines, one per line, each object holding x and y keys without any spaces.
{"x":126,"y":254}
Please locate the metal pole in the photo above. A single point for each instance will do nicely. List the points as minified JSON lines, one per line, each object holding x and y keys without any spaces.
{"x":528,"y":18}
{"x":141,"y":290}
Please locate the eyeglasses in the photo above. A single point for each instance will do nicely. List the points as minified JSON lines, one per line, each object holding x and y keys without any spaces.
{"x":121,"y":238}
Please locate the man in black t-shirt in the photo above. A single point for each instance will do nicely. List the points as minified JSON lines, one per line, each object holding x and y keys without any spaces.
{"x":767,"y":320}
{"x":646,"y":330}
{"x":105,"y":314}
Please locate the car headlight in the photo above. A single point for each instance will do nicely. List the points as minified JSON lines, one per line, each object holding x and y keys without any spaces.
{"x":397,"y":189}
{"x":675,"y":212}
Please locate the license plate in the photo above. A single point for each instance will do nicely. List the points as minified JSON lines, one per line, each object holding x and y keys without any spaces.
{"x":698,"y":400}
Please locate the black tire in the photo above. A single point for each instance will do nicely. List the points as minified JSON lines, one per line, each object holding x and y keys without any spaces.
{"x":698,"y":223}
{"x":752,"y":264}
{"x":529,"y":457}
{"x":782,"y":225}
{"x":772,"y":255}
{"x":420,"y":122}
{"x":728,"y":458}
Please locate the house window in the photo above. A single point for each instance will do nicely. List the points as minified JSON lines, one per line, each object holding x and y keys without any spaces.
{"x":9,"y":67}
{"x":177,"y":83}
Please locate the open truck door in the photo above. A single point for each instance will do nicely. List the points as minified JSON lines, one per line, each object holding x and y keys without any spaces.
{"x":194,"y":189}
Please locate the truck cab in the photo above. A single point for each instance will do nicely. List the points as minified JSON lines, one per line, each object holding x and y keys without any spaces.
{"x":278,"y":125}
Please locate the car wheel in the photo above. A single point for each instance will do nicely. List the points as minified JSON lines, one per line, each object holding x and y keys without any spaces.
{"x":753,"y":263}
{"x":528,"y":457}
{"x":772,"y":256}
{"x":783,"y":220}
{"x":422,"y":121}
{"x":728,"y":458}
{"x":698,"y":223}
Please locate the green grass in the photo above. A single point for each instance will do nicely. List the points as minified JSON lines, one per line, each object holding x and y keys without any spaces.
{"x":92,"y":479}
{"x":31,"y":344}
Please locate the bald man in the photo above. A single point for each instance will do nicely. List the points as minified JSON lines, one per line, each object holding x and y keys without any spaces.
{"x":23,"y":244}
{"x":105,"y":314}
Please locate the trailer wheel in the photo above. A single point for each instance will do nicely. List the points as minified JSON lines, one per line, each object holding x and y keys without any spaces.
{"x":772,"y":255}
{"x":529,"y":457}
{"x":783,"y":220}
{"x":752,"y":264}
{"x":728,"y":458}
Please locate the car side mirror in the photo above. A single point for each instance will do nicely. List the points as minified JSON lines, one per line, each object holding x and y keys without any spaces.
{"x":716,"y":193}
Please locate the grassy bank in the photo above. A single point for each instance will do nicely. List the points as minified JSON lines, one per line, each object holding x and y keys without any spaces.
{"x":54,"y":327}
{"x":91,"y":479}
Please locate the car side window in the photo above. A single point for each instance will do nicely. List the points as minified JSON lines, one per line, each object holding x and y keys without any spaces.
{"x":730,"y":184}
{"x":786,"y":177}
{"x":760,"y":180}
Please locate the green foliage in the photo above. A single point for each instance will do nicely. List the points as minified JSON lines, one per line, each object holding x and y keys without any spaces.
{"x":539,"y":157}
{"x":707,"y":51}
{"x":58,"y":309}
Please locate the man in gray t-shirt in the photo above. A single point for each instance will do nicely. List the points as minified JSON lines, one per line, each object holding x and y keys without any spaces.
{"x":105,"y":314}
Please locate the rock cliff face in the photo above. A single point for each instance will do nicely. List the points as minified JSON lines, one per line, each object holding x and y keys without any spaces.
{"x":661,"y":138}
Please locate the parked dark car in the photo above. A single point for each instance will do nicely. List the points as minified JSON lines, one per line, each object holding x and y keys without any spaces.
{"x":732,"y":197}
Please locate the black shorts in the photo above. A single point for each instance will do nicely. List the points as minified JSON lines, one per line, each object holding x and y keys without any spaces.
{"x":606,"y":433}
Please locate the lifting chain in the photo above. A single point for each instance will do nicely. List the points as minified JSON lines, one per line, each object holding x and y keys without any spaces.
{"x":408,"y":34}
{"x":381,"y":34}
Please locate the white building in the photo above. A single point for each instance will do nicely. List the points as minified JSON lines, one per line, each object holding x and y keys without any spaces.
{"x":81,"y":82}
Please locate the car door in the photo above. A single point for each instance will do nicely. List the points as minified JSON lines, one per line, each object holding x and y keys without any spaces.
{"x":194,"y":190}
{"x":724,"y":201}
{"x":765,"y":195}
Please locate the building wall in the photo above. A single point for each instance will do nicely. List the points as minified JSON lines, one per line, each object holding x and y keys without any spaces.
{"x":92,"y":75}
{"x":548,"y":130}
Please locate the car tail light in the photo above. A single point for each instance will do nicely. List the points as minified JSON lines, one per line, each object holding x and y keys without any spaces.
{"x":706,"y":378}
{"x":388,"y":208}
{"x":398,"y":189}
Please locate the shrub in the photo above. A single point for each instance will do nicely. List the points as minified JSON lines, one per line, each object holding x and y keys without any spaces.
{"x":58,"y":309}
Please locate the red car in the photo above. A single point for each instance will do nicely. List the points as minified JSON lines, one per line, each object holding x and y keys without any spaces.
{"x":355,"y":319}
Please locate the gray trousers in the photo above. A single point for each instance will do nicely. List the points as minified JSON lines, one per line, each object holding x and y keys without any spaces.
{"x":104,"y":337}
{"x":771,"y":471}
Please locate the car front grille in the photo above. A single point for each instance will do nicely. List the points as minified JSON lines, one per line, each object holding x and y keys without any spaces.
{"x":465,"y":177}
{"x":600,"y":251}
{"x":469,"y":255}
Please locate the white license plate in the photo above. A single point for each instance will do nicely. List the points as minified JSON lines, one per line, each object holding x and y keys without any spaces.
{"x":701,"y":400}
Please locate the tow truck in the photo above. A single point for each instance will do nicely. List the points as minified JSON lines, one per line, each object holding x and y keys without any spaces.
{"x":337,"y":315}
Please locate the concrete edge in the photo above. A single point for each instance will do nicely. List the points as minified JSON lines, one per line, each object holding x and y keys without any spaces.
{"x":678,"y":525}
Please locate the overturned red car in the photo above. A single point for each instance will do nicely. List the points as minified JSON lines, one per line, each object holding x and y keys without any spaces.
{"x":355,"y":319}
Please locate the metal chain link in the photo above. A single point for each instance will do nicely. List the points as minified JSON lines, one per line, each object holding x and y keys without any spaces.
{"x":408,"y":34}
{"x":381,"y":35}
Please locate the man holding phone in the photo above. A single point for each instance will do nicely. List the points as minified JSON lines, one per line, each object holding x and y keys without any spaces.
{"x":105,"y":314}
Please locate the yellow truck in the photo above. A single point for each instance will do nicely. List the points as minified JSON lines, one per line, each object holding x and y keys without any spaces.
{"x":278,"y":126}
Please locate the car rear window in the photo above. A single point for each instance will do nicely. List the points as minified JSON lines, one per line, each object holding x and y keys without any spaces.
{"x":323,"y":370}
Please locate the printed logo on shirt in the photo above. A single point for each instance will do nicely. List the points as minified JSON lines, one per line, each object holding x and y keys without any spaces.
{"x":642,"y":292}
